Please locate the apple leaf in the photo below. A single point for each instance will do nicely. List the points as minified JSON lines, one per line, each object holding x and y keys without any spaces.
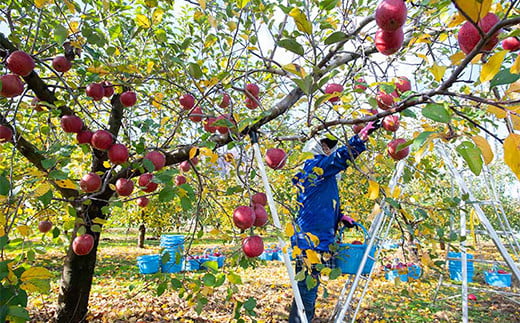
{"x":373,"y":190}
{"x":300,"y":19}
{"x":208,"y":279}
{"x":512,"y":153}
{"x":335,"y":37}
{"x":485,"y":148}
{"x":5,"y":186}
{"x":166,"y":194}
{"x":328,"y":4}
{"x":242,"y":3}
{"x":194,"y":70}
{"x":291,"y":45}
{"x":60,"y":34}
{"x":48,"y":163}
{"x":504,"y":77}
{"x":436,"y":112}
{"x":474,"y":9}
{"x":419,"y":141}
{"x":148,"y":165}
{"x":472,"y":155}
{"x":143,"y":21}
{"x":515,"y":68}
{"x":234,"y":278}
{"x":492,"y":66}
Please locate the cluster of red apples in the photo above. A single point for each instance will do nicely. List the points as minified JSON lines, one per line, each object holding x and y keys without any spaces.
{"x":390,"y":17}
{"x":245,"y":217}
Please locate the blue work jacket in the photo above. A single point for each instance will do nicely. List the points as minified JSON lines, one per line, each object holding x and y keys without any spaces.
{"x":318,"y":195}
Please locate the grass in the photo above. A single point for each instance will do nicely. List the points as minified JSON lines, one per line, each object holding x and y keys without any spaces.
{"x":121,"y":294}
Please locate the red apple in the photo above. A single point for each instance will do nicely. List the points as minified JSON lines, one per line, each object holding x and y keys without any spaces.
{"x":259,"y":198}
{"x":21,"y":63}
{"x":102,"y":140}
{"x":385,"y":100}
{"x":143,"y":201}
{"x":389,"y":42}
{"x":95,"y":91}
{"x":226,"y":101}
{"x":61,"y":64}
{"x":90,"y":182}
{"x":511,"y":43}
{"x":179,"y":180}
{"x":196,"y":114}
{"x":360,"y":85}
{"x":6,"y":134}
{"x":83,"y":244}
{"x":253,"y":246}
{"x":334,"y":88}
{"x":356,"y":242}
{"x":224,"y":129}
{"x":185,"y":166}
{"x":243,"y":217}
{"x":391,"y":123}
{"x":469,"y":36}
{"x":398,"y":154}
{"x":251,"y":103}
{"x":108,"y":88}
{"x":275,"y":158}
{"x":208,"y":125}
{"x":118,"y":154}
{"x":11,"y":85}
{"x":84,"y":137}
{"x":358,"y":127}
{"x":187,"y":101}
{"x":157,"y":158}
{"x":45,"y":226}
{"x":71,"y":123}
{"x":124,"y":186}
{"x":260,"y":215}
{"x":391,"y":14}
{"x":146,"y":184}
{"x":472,"y":297}
{"x":128,"y":98}
{"x":252,"y":90}
{"x":502,"y":271}
{"x":403,"y":84}
{"x":194,"y":161}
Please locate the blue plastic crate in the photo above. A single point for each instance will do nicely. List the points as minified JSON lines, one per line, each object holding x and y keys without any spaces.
{"x":498,"y":280}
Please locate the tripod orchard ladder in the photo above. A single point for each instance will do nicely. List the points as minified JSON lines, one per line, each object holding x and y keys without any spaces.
{"x":357,"y":285}
{"x":489,"y":229}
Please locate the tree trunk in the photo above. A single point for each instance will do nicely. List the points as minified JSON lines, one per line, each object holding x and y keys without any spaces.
{"x":142,"y":232}
{"x":77,"y":275}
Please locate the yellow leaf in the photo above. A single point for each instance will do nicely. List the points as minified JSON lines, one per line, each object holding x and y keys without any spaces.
{"x":41,"y":3}
{"x":99,"y":221}
{"x":231,"y":25}
{"x":214,"y":231}
{"x":318,"y":171}
{"x":157,"y":99}
{"x":314,"y":239}
{"x":106,"y":164}
{"x":296,"y":251}
{"x":492,"y":67}
{"x":484,"y":146}
{"x":143,"y":21}
{"x":25,"y":230}
{"x":312,"y":256}
{"x":424,"y":57}
{"x":212,"y":21}
{"x":515,"y":68}
{"x":35,"y":273}
{"x":41,"y":189}
{"x":202,"y":4}
{"x":302,"y":23}
{"x":475,"y":9}
{"x":242,"y":3}
{"x":424,"y":38}
{"x":457,"y":57}
{"x":193,"y":152}
{"x":182,"y":192}
{"x":98,"y":70}
{"x":289,"y":230}
{"x":512,"y":153}
{"x":456,"y":20}
{"x":67,"y":183}
{"x":438,"y":71}
{"x":149,"y":67}
{"x":70,"y":6}
{"x":373,"y":189}
{"x":514,"y":87}
{"x":499,"y":113}
{"x":295,"y":69}
{"x":157,"y":15}
{"x":74,"y":27}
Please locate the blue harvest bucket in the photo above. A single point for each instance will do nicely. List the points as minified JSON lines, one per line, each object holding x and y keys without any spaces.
{"x":173,"y":244}
{"x":497,"y":280}
{"x":414,"y":272}
{"x":148,"y":264}
{"x":266,"y":255}
{"x":192,"y":264}
{"x":393,"y":274}
{"x":455,"y":267}
{"x":350,"y":255}
{"x":277,"y":255}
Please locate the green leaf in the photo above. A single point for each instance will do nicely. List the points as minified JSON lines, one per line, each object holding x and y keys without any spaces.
{"x":57,"y":174}
{"x":304,"y":84}
{"x":234,"y":278}
{"x":48,"y":163}
{"x":4,"y":186}
{"x":194,"y":70}
{"x":419,"y":141}
{"x":234,"y":189}
{"x":211,"y":265}
{"x":209,"y":279}
{"x":166,"y":194}
{"x":300,"y":275}
{"x":176,"y":284}
{"x":504,"y":77}
{"x":328,"y":4}
{"x":336,"y":37}
{"x":250,"y":304}
{"x":95,"y":228}
{"x":291,"y":45}
{"x":161,"y":288}
{"x":335,"y":273}
{"x":186,"y":203}
{"x":60,"y":34}
{"x":436,"y":112}
{"x":242,"y":3}
{"x":19,"y":314}
{"x":472,"y":155}
{"x":310,"y":282}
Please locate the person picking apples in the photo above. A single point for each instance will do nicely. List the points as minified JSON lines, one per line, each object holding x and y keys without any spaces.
{"x":319,"y":206}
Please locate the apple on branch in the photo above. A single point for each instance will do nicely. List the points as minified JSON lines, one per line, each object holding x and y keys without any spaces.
{"x":143,"y":201}
{"x":118,"y":154}
{"x":187,"y":101}
{"x":253,"y":246}
{"x":6,"y":134}
{"x":259,"y":198}
{"x":124,"y":186}
{"x":20,"y":63}
{"x":469,"y":36}
{"x":243,"y":217}
{"x":389,"y":42}
{"x":335,"y":89}
{"x":71,"y":123}
{"x":95,"y":91}
{"x":61,"y":64}
{"x":275,"y":158}
{"x":45,"y":226}
{"x":391,"y":14}
{"x":83,"y":244}
{"x":146,"y":183}
{"x":90,"y":183}
{"x":11,"y":85}
{"x":393,"y":149}
{"x":102,"y":140}
{"x":157,"y":158}
{"x":128,"y":98}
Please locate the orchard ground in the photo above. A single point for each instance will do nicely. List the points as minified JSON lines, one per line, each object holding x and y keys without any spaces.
{"x":121,"y":294}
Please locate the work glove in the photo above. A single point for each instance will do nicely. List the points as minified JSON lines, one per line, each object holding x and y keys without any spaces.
{"x":347,"y":221}
{"x":368,"y":129}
